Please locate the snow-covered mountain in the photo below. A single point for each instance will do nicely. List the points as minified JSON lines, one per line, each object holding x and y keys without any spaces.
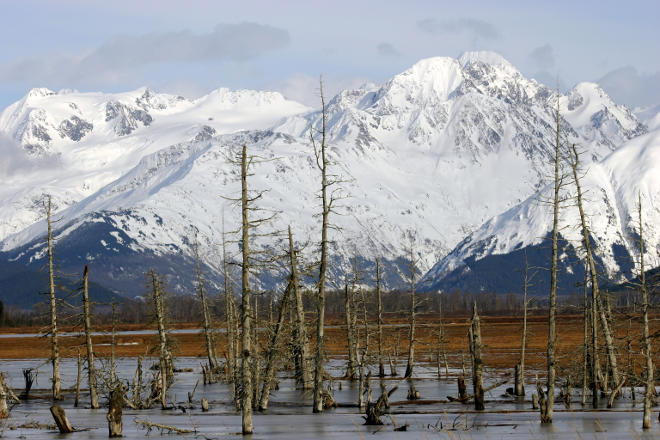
{"x":434,"y":152}
{"x":611,"y":190}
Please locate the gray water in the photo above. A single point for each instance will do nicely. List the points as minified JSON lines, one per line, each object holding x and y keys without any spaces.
{"x":290,"y":417}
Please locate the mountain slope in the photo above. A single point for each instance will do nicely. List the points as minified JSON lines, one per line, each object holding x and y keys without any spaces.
{"x":432,"y":153}
{"x":611,"y":187}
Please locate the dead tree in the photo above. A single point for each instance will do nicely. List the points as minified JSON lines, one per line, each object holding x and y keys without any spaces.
{"x":547,"y":409}
{"x":206,"y":316}
{"x":55,"y":351}
{"x":374,"y":411}
{"x":113,"y":340}
{"x":230,"y":319}
{"x":442,"y":341}
{"x":649,"y":386}
{"x":349,"y":302}
{"x":91,"y":370}
{"x":137,"y":384}
{"x":115,"y":407}
{"x":29,"y":376}
{"x":586,"y":359}
{"x":61,"y":420}
{"x":604,"y":323}
{"x":328,"y":199}
{"x":78,"y":377}
{"x":519,"y":387}
{"x":474,"y":337}
{"x":165,"y":358}
{"x":4,"y":410}
{"x":381,"y":362}
{"x":256,"y":355}
{"x":413,"y":305}
{"x":274,"y":349}
{"x":301,"y":355}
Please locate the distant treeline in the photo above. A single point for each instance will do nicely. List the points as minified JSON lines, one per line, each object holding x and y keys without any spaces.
{"x":187,"y":308}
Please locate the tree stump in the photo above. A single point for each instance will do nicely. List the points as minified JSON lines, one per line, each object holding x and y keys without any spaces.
{"x":205,"y":404}
{"x":60,"y":419}
{"x":462,"y":391}
{"x":115,"y":412}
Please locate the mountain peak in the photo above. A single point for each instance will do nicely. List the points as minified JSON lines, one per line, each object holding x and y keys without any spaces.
{"x":484,"y":56}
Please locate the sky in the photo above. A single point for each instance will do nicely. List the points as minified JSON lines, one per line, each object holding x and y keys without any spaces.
{"x":194,"y":46}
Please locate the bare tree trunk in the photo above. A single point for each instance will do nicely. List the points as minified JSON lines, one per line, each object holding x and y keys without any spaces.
{"x":322,"y":164}
{"x":520,"y":371}
{"x":381,"y":362}
{"x":55,"y":351}
{"x":274,"y":349}
{"x":350,"y":334}
{"x":137,"y":384}
{"x":256,"y":356}
{"x":547,"y":410}
{"x":206,"y":317}
{"x":649,"y":385}
{"x":413,"y":305}
{"x":60,"y":419}
{"x":609,"y":340}
{"x":162,"y":337}
{"x":230,"y":320}
{"x":77,"y":398}
{"x":113,"y":375}
{"x":4,"y":411}
{"x":91,"y":370}
{"x":246,"y":313}
{"x":115,"y":408}
{"x":586,"y":357}
{"x":303,"y":372}
{"x":474,"y":335}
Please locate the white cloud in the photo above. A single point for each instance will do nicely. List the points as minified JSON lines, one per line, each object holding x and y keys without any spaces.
{"x":475,"y":28}
{"x":626,"y":85}
{"x":304,"y":88}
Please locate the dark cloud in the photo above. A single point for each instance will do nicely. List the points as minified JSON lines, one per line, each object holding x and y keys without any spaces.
{"x":473,"y":27}
{"x":236,"y":42}
{"x":386,"y":49}
{"x":626,"y":85}
{"x":543,"y":57}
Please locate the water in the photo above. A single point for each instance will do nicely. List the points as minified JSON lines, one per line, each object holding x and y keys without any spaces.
{"x":290,"y":417}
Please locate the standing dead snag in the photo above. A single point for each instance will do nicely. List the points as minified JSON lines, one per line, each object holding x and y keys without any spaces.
{"x":375,"y":410}
{"x":328,"y":201}
{"x":649,"y":387}
{"x":351,"y":315}
{"x":605,"y":325}
{"x":166,"y":368}
{"x":4,"y":411}
{"x":230,"y":319}
{"x":78,"y":377}
{"x":546,"y":412}
{"x":301,"y":355}
{"x":61,"y":420}
{"x":381,"y":362}
{"x":206,"y":317}
{"x":519,"y":388}
{"x":115,"y":407}
{"x":474,"y":336}
{"x":246,"y":314}
{"x":55,"y":351}
{"x":91,"y":370}
{"x":413,"y":305}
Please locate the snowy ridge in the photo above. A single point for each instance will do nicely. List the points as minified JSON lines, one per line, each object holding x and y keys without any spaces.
{"x":434,"y":152}
{"x":611,"y":190}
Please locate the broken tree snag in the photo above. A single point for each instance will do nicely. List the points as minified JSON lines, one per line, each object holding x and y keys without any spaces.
{"x":381,"y":364}
{"x":60,"y":419}
{"x":137,"y":384}
{"x":4,"y":411}
{"x":115,"y":411}
{"x":519,"y":388}
{"x":649,"y":385}
{"x":205,"y":404}
{"x":413,"y":394}
{"x":28,"y":375}
{"x":413,"y":306}
{"x":375,"y":410}
{"x":535,"y":401}
{"x":542,"y":403}
{"x":474,"y":335}
{"x":55,"y":350}
{"x":91,"y":371}
{"x":350,"y":334}
{"x":274,"y":350}
{"x":301,"y":359}
{"x":462,"y":391}
{"x":75,"y":402}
